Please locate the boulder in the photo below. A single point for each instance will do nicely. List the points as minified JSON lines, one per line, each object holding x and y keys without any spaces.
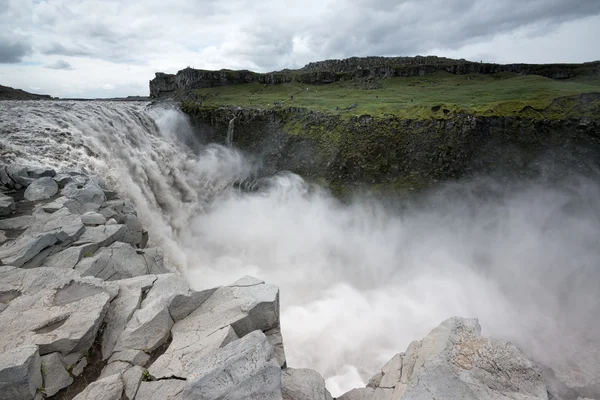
{"x":276,"y":340}
{"x":20,"y":372}
{"x":243,"y":369}
{"x":41,"y":189}
{"x":303,"y":384}
{"x":55,"y":374}
{"x":229,"y":313}
{"x":121,"y":261}
{"x":131,"y":381}
{"x":25,"y":174}
{"x":88,"y":193}
{"x":21,"y":222}
{"x":93,"y":218}
{"x":134,"y":231}
{"x":168,"y":389}
{"x":7,"y":205}
{"x":109,"y":388}
{"x":100,"y":236}
{"x":66,"y":258}
{"x":133,"y":357}
{"x":117,"y":367}
{"x":183,"y":305}
{"x":360,"y":394}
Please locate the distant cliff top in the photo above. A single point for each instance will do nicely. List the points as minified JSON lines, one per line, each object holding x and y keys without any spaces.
{"x":8,"y":93}
{"x":354,"y":63}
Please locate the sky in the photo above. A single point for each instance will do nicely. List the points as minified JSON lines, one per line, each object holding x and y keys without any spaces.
{"x":106,"y":48}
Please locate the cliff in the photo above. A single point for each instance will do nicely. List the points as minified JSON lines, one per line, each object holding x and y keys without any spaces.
{"x":8,"y":93}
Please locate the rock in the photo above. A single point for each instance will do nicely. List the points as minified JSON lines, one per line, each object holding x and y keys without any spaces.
{"x":134,"y":230}
{"x":41,"y":189}
{"x":56,"y":205}
{"x":24,"y":174}
{"x":7,"y":205}
{"x":168,"y":389}
{"x":3,"y":237}
{"x":229,"y":313}
{"x":131,"y":380}
{"x":243,"y":369}
{"x":100,"y":236}
{"x":134,"y":357}
{"x":66,"y":258}
{"x":392,"y":372}
{"x":183,"y":305}
{"x":303,"y":384}
{"x":359,"y":394}
{"x":88,"y":193}
{"x":60,"y":228}
{"x":93,"y":218}
{"x":5,"y":180}
{"x":21,"y":222}
{"x":247,"y":281}
{"x":63,"y":179}
{"x":454,"y":361}
{"x":121,"y":261}
{"x":121,"y":309}
{"x":117,"y":367}
{"x":276,"y":340}
{"x":55,"y":374}
{"x":375,"y":380}
{"x":111,"y":221}
{"x":79,"y":367}
{"x":110,"y":388}
{"x":20,"y":373}
{"x":54,"y":309}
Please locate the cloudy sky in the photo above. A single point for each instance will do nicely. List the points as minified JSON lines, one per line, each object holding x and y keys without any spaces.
{"x":103,"y":48}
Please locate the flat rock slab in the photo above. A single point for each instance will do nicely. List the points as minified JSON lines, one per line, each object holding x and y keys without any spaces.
{"x":22,"y":222}
{"x":20,"y":373}
{"x":230,"y":312}
{"x":7,"y":205}
{"x":41,"y":189}
{"x":168,"y":389}
{"x":55,"y":374}
{"x":109,"y":388}
{"x":100,"y":236}
{"x":303,"y":384}
{"x":244,"y":369}
{"x":52,"y":310}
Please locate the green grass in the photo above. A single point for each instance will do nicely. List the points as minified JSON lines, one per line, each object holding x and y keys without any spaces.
{"x":415,"y":97}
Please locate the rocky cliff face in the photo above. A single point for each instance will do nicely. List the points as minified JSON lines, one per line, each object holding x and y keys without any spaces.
{"x":395,"y":153}
{"x":8,"y":93}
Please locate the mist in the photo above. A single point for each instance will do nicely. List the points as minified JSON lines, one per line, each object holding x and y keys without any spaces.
{"x":359,"y":280}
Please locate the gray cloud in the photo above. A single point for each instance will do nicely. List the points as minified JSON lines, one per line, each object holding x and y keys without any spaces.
{"x":59,"y":64}
{"x":13,"y":52}
{"x":58,"y":49}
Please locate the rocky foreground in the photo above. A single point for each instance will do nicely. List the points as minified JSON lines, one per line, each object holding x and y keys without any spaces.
{"x":88,"y":311}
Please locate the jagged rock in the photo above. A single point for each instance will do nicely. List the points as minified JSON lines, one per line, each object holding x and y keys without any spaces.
{"x":100,"y":236}
{"x":61,"y":227}
{"x":88,"y":193}
{"x":121,"y":309}
{"x":109,"y":388}
{"x":359,"y":394}
{"x":243,"y":369}
{"x":56,"y":204}
{"x":121,"y":261}
{"x":229,"y":313}
{"x":183,"y":305}
{"x":168,"y":389}
{"x":93,"y":218}
{"x":131,"y":380}
{"x":21,"y":222}
{"x":454,"y":361}
{"x":134,"y":230}
{"x":63,"y":179}
{"x":41,"y":189}
{"x":134,"y":357}
{"x":303,"y":384}
{"x":66,"y":258}
{"x":375,"y":380}
{"x":24,"y":174}
{"x":111,"y":221}
{"x":3,"y":237}
{"x":247,"y":281}
{"x":55,"y":374}
{"x":79,"y":367}
{"x":276,"y":340}
{"x":95,"y":179}
{"x":20,"y":373}
{"x":7,"y":205}
{"x":55,"y":310}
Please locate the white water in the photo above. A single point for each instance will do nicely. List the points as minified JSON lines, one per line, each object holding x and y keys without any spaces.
{"x":360,"y":281}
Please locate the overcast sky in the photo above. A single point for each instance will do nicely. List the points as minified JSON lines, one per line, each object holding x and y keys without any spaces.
{"x":103,"y":48}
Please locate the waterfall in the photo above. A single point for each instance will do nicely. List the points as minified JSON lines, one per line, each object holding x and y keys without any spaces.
{"x":230,"y":129}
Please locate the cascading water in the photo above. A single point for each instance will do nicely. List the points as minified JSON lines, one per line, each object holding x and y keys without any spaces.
{"x":358,"y":282}
{"x":230,"y":131}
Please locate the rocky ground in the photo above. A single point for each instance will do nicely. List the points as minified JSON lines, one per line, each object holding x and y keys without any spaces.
{"x":88,"y":311}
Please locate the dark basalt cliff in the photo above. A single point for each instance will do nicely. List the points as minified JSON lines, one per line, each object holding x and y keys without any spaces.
{"x":8,"y":93}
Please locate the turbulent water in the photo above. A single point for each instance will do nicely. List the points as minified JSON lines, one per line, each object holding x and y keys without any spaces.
{"x":358,"y":281}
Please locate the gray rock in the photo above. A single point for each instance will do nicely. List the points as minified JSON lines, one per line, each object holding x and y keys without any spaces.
{"x":21,"y":222}
{"x":7,"y":205}
{"x":117,"y":367}
{"x":88,"y":193}
{"x":93,"y":218}
{"x":359,"y":394}
{"x":3,"y":237}
{"x":25,"y":247}
{"x":134,"y":231}
{"x":63,"y":179}
{"x":168,"y":389}
{"x":121,"y":261}
{"x":111,"y":221}
{"x":392,"y":371}
{"x":100,"y":236}
{"x":25,"y":174}
{"x":74,"y":171}
{"x":55,"y":374}
{"x":229,"y":313}
{"x":95,"y":179}
{"x":41,"y":189}
{"x":79,"y":367}
{"x":66,"y":258}
{"x":247,"y":280}
{"x":183,"y":305}
{"x":56,"y":205}
{"x":5,"y":180}
{"x":131,"y":380}
{"x":244,"y":369}
{"x":134,"y":357}
{"x":20,"y":373}
{"x":147,"y":329}
{"x":375,"y":380}
{"x":54,"y":310}
{"x":303,"y":384}
{"x":110,"y":388}
{"x":276,"y":340}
